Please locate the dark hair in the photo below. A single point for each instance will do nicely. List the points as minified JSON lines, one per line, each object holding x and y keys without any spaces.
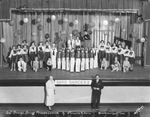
{"x":24,"y":41}
{"x":32,"y":43}
{"x":18,"y":45}
{"x":40,"y":42}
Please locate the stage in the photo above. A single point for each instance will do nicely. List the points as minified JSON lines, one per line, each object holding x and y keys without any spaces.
{"x":139,"y":76}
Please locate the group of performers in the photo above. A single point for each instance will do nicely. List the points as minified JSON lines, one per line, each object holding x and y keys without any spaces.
{"x":74,"y":57}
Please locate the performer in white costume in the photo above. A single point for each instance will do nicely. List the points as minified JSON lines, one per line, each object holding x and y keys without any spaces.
{"x":72,"y":60}
{"x":82,"y":60}
{"x":78,"y":60}
{"x":59,"y":59}
{"x":53,"y":56}
{"x":50,"y":93}
{"x":86,"y":58}
{"x":67,"y":59}
{"x":91,"y":58}
{"x":69,"y":42}
{"x":63,"y":59}
{"x":22,"y":66}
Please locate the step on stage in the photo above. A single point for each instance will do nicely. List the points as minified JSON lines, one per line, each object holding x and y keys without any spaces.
{"x":140,"y":76}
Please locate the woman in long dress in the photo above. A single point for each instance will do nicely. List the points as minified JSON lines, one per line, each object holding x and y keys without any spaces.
{"x":50,"y":93}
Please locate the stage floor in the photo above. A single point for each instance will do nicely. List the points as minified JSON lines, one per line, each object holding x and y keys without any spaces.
{"x":139,"y":73}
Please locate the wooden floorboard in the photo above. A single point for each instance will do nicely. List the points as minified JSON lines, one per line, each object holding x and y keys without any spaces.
{"x":139,"y":73}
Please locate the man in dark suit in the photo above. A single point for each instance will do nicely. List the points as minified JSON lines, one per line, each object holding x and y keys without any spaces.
{"x":86,"y":39}
{"x":97,"y":86}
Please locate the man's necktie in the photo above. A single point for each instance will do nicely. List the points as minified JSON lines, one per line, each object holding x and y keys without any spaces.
{"x":53,"y":51}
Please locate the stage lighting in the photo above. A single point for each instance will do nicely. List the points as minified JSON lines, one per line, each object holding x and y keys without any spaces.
{"x":53,"y":17}
{"x":25,"y":20}
{"x":117,"y":19}
{"x":105,"y":22}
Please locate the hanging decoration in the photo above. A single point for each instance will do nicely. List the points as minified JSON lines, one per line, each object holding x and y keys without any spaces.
{"x":92,"y":24}
{"x":139,"y":19}
{"x":105,"y":22}
{"x":143,"y":39}
{"x":76,"y":22}
{"x":48,"y":20}
{"x":25,"y":20}
{"x":33,"y":21}
{"x":38,"y":20}
{"x":15,"y":35}
{"x":47,"y":36}
{"x":53,"y":17}
{"x":111,"y":22}
{"x":71,"y":24}
{"x":65,"y":19}
{"x":33,"y":33}
{"x":21,"y":22}
{"x":19,"y":31}
{"x":11,"y":22}
{"x":60,"y":22}
{"x":3,"y":40}
{"x":75,"y":32}
{"x":89,"y":32}
{"x":117,"y":19}
{"x":39,"y":27}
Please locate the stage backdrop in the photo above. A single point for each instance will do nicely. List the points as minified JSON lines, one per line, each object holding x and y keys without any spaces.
{"x":41,"y":23}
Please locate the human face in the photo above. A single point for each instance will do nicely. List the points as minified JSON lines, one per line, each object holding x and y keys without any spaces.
{"x":97,"y":78}
{"x":33,"y":44}
{"x":13,"y":47}
{"x":19,"y":47}
{"x":51,"y":78}
{"x":40,"y":44}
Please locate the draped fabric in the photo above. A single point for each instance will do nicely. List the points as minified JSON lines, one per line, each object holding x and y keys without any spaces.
{"x":29,"y":31}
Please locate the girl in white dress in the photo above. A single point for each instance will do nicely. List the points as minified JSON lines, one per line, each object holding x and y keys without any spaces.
{"x":77,"y":43}
{"x":82,"y":60}
{"x":50,"y":93}
{"x":87,"y":59}
{"x":91,"y":57}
